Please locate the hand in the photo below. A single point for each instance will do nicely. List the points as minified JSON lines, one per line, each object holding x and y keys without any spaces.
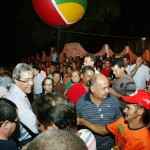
{"x":111,"y":90}
{"x":78,"y":121}
{"x":139,"y":61}
{"x":147,"y":89}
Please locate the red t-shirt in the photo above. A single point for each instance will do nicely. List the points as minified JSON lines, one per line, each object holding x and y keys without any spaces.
{"x":129,"y":139}
{"x":75,"y":92}
{"x":106,"y":71}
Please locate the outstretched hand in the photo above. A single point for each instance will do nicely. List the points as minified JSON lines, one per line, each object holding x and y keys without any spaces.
{"x":147,"y":89}
{"x":78,"y":121}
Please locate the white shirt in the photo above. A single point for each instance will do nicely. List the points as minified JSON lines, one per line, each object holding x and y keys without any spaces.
{"x":25,"y":113}
{"x":127,"y":69}
{"x":89,"y":139}
{"x":38,"y":83}
{"x":5,"y":81}
{"x":3,"y":91}
{"x":141,"y":76}
{"x":96,"y":71}
{"x":43,"y":73}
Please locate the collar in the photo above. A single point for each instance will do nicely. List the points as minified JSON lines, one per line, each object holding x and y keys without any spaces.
{"x":87,"y":97}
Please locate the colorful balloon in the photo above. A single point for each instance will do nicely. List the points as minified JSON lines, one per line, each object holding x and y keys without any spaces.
{"x":60,"y":13}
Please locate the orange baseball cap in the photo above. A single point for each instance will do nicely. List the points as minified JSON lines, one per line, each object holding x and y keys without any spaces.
{"x":139,"y":97}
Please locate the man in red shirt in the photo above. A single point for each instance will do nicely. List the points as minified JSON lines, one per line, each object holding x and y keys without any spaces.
{"x":79,"y":89}
{"x":107,"y":70}
{"x":131,"y":131}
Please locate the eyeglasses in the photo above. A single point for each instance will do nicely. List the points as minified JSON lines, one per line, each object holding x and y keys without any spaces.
{"x":27,"y":81}
{"x":48,"y":84}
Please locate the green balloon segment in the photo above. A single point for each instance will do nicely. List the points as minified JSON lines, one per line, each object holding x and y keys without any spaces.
{"x":81,"y":2}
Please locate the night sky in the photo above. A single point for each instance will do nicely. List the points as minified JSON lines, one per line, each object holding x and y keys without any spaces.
{"x":134,"y":21}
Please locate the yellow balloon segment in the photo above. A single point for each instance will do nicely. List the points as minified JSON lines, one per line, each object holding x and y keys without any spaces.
{"x":72,"y":12}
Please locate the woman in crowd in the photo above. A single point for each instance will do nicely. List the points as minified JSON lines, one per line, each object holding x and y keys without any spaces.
{"x":75,"y":78}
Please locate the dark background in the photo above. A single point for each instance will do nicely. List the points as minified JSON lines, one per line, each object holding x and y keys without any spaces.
{"x":23,"y":33}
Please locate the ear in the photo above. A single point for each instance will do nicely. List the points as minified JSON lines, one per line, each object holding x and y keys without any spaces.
{"x":6,"y":125}
{"x":140,"y":111}
{"x":16,"y":81}
{"x":122,"y":68}
{"x":92,"y":63}
{"x":92,"y":89}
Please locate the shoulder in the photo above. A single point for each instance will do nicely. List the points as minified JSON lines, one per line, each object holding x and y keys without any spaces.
{"x":119,"y":122}
{"x":8,"y":144}
{"x":113,"y":100}
{"x":127,"y":78}
{"x":132,"y":66}
{"x":81,"y":101}
{"x":112,"y":97}
{"x":15,"y":94}
{"x":8,"y":77}
{"x":75,"y":86}
{"x":86,"y":133}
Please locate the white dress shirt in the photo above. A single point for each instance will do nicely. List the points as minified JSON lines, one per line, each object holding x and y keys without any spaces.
{"x":141,"y":76}
{"x":38,"y":83}
{"x":26,"y":115}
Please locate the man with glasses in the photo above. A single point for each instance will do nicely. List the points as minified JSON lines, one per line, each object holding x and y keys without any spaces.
{"x":8,"y":124}
{"x":22,"y":77}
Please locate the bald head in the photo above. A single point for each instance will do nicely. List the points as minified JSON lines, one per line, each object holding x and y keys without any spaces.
{"x":57,"y":140}
{"x":98,"y":78}
{"x":99,"y":87}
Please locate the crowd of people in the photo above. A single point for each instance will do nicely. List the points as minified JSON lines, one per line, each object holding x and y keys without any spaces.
{"x":78,"y":104}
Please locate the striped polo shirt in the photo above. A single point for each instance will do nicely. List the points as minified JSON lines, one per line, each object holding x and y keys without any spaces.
{"x":107,"y":112}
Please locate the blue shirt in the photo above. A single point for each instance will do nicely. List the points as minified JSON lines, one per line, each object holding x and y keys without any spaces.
{"x":107,"y":112}
{"x":54,"y":57}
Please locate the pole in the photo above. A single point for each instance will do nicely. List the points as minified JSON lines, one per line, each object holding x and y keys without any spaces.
{"x":58,"y":38}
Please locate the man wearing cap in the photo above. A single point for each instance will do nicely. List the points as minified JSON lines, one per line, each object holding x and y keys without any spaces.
{"x":131,"y":132}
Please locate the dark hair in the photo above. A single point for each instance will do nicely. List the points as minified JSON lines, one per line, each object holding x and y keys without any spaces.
{"x":57,"y":140}
{"x":58,"y":110}
{"x":56,"y":72}
{"x":146,"y":114}
{"x":7,"y":110}
{"x":37,"y":67}
{"x":139,"y":54}
{"x":86,"y":68}
{"x":92,"y":57}
{"x":47,"y":78}
{"x":118,"y":62}
{"x":125,"y":56}
{"x":55,"y":99}
{"x":92,"y":81}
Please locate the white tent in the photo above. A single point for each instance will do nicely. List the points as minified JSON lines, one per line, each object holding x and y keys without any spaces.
{"x":105,"y":50}
{"x":72,"y":49}
{"x":129,"y":51}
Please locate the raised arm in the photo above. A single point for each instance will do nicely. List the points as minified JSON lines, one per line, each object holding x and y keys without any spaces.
{"x":93,"y":127}
{"x":111,"y":90}
{"x":138,"y":64}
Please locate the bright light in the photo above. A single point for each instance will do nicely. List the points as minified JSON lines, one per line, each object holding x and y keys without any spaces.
{"x":143,"y":38}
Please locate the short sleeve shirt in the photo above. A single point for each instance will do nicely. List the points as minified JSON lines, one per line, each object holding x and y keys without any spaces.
{"x":107,"y":112}
{"x":129,"y":139}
